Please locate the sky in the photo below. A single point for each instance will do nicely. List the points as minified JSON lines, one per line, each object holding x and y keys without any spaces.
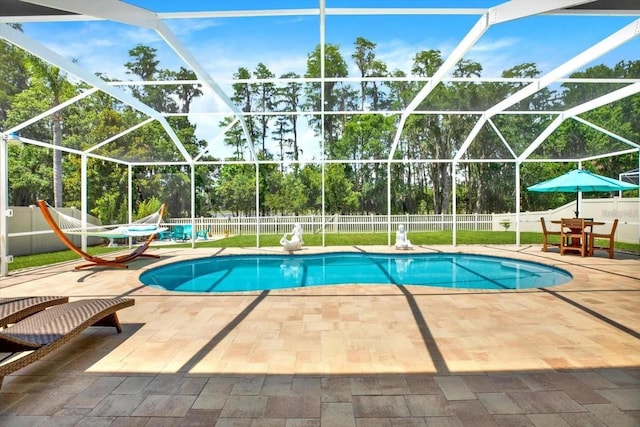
{"x":282,"y":43}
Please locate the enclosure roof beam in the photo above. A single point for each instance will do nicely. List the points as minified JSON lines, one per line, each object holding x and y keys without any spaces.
{"x":508,"y":11}
{"x":49,"y":145}
{"x":579,"y":109}
{"x":202,"y":74}
{"x":118,"y":11}
{"x":218,"y":136}
{"x":24,"y":42}
{"x":606,"y":132}
{"x":502,"y":138}
{"x":606,"y":45}
{"x":34,"y":13}
{"x":52,"y":110}
{"x":119,"y":135}
{"x":543,"y":136}
{"x":605,"y":99}
{"x":612,"y":154}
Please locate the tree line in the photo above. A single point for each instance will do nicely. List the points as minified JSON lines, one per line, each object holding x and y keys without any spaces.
{"x":355,"y":133}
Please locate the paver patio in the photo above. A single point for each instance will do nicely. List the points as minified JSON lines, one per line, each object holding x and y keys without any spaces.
{"x":350,"y":355}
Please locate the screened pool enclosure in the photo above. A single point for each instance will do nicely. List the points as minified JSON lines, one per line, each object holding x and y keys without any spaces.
{"x":378,"y":107}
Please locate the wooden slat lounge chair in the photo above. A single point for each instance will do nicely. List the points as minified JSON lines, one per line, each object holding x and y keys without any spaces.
{"x":41,"y":333}
{"x":13,"y":310}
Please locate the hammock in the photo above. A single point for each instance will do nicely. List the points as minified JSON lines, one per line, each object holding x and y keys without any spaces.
{"x":148,"y":226}
{"x":142,"y":227}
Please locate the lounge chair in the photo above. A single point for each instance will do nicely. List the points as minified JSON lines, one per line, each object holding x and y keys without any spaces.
{"x":13,"y":310}
{"x":41,"y":333}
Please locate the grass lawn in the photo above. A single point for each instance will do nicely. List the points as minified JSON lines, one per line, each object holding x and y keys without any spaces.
{"x":343,"y":239}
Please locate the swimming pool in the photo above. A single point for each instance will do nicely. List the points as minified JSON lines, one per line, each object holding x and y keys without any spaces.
{"x":237,"y":273}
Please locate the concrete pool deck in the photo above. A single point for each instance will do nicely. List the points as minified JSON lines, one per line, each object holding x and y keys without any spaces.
{"x":348,"y":355}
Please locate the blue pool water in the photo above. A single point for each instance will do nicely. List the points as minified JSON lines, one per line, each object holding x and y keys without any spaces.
{"x":235,"y":273}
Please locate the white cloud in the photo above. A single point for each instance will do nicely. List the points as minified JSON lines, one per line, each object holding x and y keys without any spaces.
{"x":189,"y":27}
{"x":397,"y":55}
{"x":495,"y":45}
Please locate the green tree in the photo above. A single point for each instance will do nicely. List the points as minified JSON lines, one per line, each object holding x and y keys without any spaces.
{"x":334,"y":66}
{"x":311,"y":177}
{"x":428,"y":137}
{"x":13,"y":76}
{"x":59,"y":90}
{"x":371,"y":95}
{"x":30,"y":167}
{"x":364,"y":57}
{"x":367,"y":137}
{"x":187,"y":92}
{"x":289,"y":196}
{"x":265,"y":100}
{"x":243,"y":98}
{"x":339,"y":195}
{"x":237,"y":188}
{"x":288,"y":98}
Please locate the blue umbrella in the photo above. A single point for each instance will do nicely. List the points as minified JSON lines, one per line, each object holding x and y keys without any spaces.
{"x":580,"y":180}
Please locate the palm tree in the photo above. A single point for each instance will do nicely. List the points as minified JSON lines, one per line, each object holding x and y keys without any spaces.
{"x":55,"y":81}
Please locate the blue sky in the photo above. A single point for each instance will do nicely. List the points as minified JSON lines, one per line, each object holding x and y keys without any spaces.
{"x":282,"y":43}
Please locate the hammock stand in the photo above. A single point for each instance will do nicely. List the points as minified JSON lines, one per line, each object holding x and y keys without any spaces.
{"x":139,"y":228}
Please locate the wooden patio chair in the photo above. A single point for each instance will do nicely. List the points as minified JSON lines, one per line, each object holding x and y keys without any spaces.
{"x":608,"y":236}
{"x":14,"y":309}
{"x":573,"y":236}
{"x":41,"y":333}
{"x":545,"y":234}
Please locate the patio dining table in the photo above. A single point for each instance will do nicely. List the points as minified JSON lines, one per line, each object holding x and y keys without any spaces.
{"x":588,"y":225}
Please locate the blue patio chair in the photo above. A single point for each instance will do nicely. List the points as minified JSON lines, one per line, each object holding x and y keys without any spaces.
{"x":178,"y":232}
{"x":165,"y":235}
{"x":187,"y":233}
{"x":203,"y":233}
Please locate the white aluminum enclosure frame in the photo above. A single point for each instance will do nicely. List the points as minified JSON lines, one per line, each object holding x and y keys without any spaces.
{"x":122,"y":12}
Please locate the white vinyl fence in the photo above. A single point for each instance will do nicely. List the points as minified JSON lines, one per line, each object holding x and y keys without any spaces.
{"x":334,"y":224}
{"x":626,"y":210}
{"x":28,"y":232}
